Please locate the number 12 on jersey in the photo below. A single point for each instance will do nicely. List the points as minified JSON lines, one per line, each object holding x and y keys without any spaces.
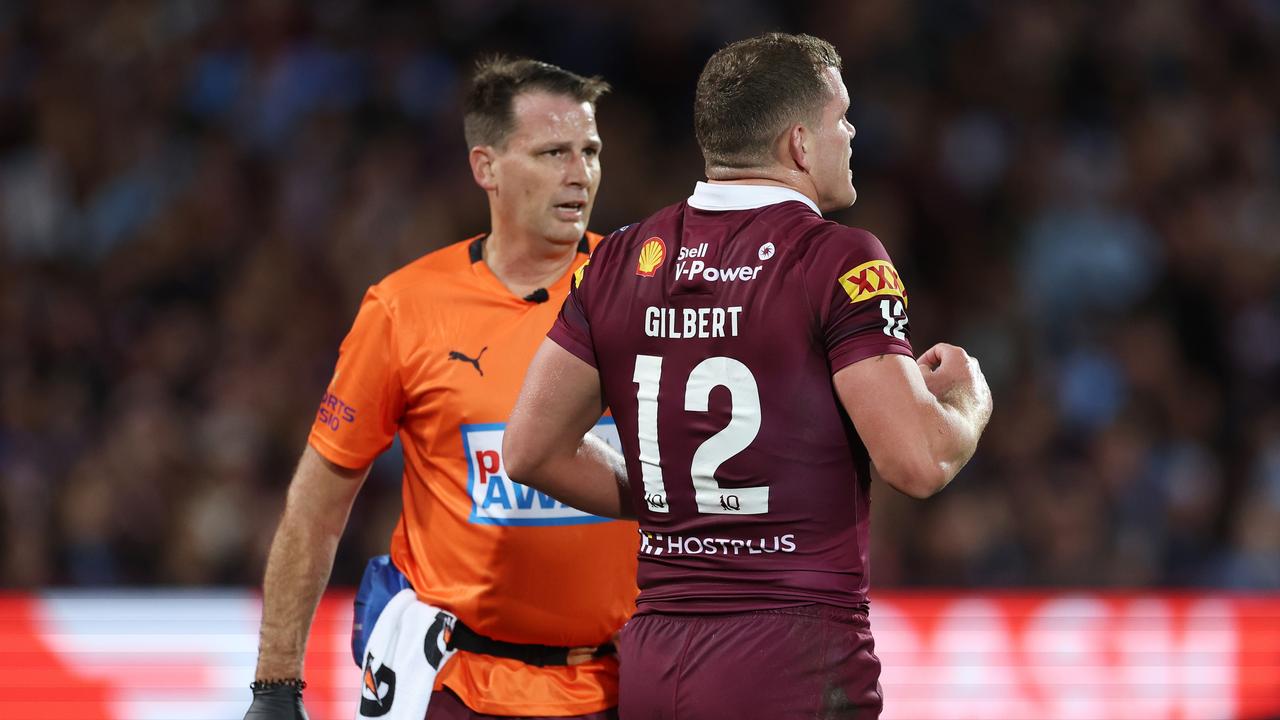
{"x":744,"y":424}
{"x":895,"y":319}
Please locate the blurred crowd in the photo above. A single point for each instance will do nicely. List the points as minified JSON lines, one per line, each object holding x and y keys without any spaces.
{"x":194,"y":196}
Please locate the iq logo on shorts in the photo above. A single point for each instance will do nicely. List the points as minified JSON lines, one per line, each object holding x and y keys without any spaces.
{"x":498,"y":500}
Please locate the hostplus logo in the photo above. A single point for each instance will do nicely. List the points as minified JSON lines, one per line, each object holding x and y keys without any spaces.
{"x":665,"y":544}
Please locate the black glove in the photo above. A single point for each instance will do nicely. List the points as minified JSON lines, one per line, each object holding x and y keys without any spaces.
{"x":277,"y":701}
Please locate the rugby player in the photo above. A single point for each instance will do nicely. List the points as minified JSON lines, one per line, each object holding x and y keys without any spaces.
{"x":756,"y":360}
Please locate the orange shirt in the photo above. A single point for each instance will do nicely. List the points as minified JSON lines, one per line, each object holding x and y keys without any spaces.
{"x":437,"y":353}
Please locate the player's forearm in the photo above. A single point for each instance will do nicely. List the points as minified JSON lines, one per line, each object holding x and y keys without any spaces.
{"x":298,"y":568}
{"x":962,"y":418}
{"x":301,"y":559}
{"x":965,"y":419}
{"x":935,"y":439}
{"x":591,"y":477}
{"x":547,"y":444}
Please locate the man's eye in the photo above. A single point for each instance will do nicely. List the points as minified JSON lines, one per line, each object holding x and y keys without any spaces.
{"x":591,"y":152}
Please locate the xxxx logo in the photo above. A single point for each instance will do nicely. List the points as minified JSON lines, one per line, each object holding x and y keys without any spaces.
{"x":652,"y":253}
{"x":872,"y":279}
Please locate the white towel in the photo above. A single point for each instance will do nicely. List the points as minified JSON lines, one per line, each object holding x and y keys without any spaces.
{"x":408,"y":646}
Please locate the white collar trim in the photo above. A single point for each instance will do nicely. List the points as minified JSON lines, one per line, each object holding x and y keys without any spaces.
{"x":718,"y":196}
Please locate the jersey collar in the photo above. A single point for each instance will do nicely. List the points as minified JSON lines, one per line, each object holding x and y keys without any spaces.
{"x":717,"y":196}
{"x":475,"y":249}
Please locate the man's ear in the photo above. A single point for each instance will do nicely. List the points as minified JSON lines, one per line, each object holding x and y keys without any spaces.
{"x":799,"y":146}
{"x":483,"y":168}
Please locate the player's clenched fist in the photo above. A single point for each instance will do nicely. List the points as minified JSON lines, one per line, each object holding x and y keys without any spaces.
{"x":955,"y":378}
{"x":276,"y":702}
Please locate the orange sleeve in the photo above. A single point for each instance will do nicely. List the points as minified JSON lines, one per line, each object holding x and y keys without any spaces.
{"x":360,"y":413}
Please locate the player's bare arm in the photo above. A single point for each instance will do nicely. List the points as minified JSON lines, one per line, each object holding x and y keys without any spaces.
{"x":546,"y":445}
{"x":920,"y":421}
{"x":301,"y":558}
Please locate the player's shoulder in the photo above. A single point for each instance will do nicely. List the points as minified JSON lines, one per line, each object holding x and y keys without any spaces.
{"x":820,"y":233}
{"x":440,"y":270}
{"x":632,"y":235}
{"x":824,"y":243}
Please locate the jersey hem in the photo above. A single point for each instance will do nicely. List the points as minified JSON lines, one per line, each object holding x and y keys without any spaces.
{"x":563,"y":337}
{"x":525,"y":709}
{"x":335,"y":454}
{"x":844,"y":357}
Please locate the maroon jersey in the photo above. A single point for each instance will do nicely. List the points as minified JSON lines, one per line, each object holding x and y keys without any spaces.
{"x":716,"y":325}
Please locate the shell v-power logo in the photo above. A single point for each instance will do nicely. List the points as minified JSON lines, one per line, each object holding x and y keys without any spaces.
{"x":652,"y":253}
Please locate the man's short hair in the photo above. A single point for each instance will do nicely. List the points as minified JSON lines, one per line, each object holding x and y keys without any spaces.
{"x":489,"y":107}
{"x":754,"y":89}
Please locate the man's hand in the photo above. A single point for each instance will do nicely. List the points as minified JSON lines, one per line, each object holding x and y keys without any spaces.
{"x":276,"y":702}
{"x":956,"y":379}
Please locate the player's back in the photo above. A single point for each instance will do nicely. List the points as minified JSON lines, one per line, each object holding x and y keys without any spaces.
{"x":716,"y":332}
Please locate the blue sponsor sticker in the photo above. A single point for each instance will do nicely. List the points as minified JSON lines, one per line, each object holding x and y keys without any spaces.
{"x":498,"y":500}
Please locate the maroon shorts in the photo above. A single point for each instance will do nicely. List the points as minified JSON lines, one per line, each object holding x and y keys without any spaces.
{"x":445,"y":705}
{"x":813,"y":661}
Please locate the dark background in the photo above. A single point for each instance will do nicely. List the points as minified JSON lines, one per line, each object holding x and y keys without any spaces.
{"x":194,"y":196}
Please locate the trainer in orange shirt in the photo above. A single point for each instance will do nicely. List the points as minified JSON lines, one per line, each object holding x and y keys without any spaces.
{"x":437,"y":355}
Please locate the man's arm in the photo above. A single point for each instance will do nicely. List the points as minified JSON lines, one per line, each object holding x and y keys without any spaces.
{"x":920,"y":421}
{"x":301,"y":558}
{"x":546,"y":445}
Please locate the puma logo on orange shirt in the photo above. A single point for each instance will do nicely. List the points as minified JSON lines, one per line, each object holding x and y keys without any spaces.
{"x":455,"y":355}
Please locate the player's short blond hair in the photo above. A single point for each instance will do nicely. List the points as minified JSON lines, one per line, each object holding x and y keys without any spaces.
{"x":754,"y":89}
{"x":489,"y":106}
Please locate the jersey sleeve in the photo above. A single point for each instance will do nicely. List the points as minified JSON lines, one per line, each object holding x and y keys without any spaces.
{"x":860,"y":298}
{"x":572,"y":329}
{"x":360,"y":412}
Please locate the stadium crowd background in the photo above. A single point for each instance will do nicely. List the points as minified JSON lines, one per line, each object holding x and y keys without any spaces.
{"x":194,"y":196}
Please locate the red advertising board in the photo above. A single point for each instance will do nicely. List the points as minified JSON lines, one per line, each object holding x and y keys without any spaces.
{"x":1093,"y":656}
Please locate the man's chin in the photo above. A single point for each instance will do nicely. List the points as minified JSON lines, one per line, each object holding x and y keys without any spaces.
{"x":839,"y":202}
{"x":849,"y":196}
{"x":564,"y":233}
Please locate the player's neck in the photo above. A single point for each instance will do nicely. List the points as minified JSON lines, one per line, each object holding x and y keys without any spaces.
{"x":525,"y":263}
{"x":771,"y":176}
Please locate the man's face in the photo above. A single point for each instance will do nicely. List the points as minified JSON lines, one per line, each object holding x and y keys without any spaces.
{"x":831,"y":152}
{"x":547,"y":174}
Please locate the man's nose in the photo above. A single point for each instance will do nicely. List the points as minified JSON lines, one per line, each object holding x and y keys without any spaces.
{"x":578,"y":171}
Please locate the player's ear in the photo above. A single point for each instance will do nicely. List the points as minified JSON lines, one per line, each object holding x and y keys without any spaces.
{"x":798,"y":146}
{"x":482,"y":159}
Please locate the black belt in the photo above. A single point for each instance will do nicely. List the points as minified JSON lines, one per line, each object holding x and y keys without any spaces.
{"x":464,"y":638}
